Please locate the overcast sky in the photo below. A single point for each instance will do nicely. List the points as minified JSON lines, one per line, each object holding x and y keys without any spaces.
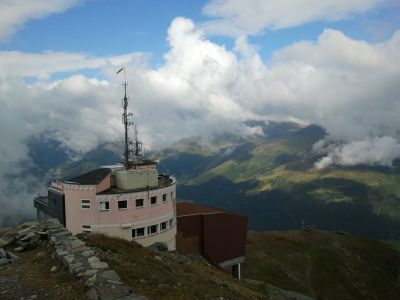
{"x":198,"y":67}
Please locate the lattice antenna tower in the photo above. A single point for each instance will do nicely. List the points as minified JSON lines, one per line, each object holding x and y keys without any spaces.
{"x":126,"y":122}
{"x":138,"y":144}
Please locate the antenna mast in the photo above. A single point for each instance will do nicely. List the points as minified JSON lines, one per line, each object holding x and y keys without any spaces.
{"x":138,"y":145}
{"x":125,"y":116}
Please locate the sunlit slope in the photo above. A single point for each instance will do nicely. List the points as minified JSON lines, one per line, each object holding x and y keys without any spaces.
{"x":287,"y":164}
{"x":264,"y":155}
{"x":323,"y":265}
{"x":275,"y":183}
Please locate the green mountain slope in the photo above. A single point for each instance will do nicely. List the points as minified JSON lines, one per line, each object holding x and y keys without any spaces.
{"x":273,"y":181}
{"x":323,"y":265}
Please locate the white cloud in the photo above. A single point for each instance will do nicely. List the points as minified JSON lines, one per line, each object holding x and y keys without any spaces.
{"x":243,"y":17}
{"x":347,"y":86}
{"x":371,"y":151}
{"x":15,"y":13}
{"x":42,"y":65}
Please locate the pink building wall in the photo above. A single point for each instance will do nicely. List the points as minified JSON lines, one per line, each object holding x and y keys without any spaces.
{"x":105,"y":184}
{"x":77,"y":216}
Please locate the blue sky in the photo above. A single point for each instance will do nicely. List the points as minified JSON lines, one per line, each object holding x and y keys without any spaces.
{"x":106,"y":28}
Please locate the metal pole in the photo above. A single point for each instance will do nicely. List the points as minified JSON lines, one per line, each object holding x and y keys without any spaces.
{"x":126,"y":125}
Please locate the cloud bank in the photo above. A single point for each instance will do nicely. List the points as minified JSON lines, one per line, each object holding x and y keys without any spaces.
{"x":15,"y":13}
{"x":371,"y":151}
{"x":244,"y":17}
{"x":349,"y":87}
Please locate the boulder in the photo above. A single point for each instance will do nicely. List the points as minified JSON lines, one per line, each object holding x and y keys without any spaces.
{"x":110,"y":275}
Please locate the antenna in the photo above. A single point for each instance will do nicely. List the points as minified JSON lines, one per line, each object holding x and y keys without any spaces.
{"x":138,"y":144}
{"x":125,"y":119}
{"x":128,"y":144}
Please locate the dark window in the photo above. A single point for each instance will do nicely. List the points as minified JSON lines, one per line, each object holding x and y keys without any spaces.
{"x":152,"y":229}
{"x":153,"y":200}
{"x":122,"y":204}
{"x":163,"y":225}
{"x":85,"y":203}
{"x":139,"y":203}
{"x":138,"y":232}
{"x":171,"y":222}
{"x":164,"y":197}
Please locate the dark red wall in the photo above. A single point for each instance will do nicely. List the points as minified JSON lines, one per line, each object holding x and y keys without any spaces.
{"x":224,"y":237}
{"x":189,"y":234}
{"x":218,"y":236}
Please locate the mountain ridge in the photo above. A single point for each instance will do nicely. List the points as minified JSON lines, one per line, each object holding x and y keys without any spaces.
{"x":271,"y":175}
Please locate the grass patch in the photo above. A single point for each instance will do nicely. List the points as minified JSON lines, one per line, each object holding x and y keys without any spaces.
{"x":168,"y":275}
{"x":323,"y":265}
{"x":394,"y":243}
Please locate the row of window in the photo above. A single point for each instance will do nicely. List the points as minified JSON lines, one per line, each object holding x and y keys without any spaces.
{"x":141,"y":231}
{"x":152,"y":229}
{"x":123,"y":204}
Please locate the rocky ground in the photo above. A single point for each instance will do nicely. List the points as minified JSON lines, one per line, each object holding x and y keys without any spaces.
{"x":34,"y":275}
{"x":45,"y":261}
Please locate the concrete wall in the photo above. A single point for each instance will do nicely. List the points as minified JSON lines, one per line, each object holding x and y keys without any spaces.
{"x":136,"y":179}
{"x":166,"y":236}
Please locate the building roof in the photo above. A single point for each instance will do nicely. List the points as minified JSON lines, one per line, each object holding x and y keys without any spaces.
{"x":141,"y":161}
{"x":163,"y":181}
{"x":187,"y":208}
{"x":90,"y":178}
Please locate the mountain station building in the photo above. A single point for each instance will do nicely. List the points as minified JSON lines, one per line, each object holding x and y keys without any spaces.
{"x":133,"y":204}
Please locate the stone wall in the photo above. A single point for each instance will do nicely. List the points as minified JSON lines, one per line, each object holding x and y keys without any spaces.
{"x":103,"y":283}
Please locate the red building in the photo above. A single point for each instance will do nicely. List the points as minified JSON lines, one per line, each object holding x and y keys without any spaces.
{"x":219,"y":235}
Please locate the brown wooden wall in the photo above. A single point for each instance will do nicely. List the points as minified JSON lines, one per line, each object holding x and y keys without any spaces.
{"x":189,"y":233}
{"x":218,"y":236}
{"x":224,"y":237}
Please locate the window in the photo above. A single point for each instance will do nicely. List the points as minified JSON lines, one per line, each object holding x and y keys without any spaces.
{"x":164,"y":197}
{"x":153,"y":200}
{"x":138,"y":232}
{"x":139,"y":203}
{"x":152,"y":229}
{"x":123,"y":204}
{"x":86,"y":228}
{"x":172,"y":195}
{"x":104,"y":205}
{"x":171,"y":222}
{"x":163,"y":226}
{"x":85,"y":203}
